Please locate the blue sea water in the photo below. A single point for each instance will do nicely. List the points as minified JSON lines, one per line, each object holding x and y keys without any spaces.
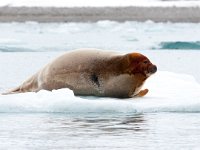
{"x":167,"y":118}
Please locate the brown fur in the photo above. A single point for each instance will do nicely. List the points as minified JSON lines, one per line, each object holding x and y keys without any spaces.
{"x":93,"y":72}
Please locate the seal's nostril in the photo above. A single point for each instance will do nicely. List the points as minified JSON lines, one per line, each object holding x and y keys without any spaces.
{"x":154,"y":69}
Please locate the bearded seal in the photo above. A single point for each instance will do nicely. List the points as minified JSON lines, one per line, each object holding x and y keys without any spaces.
{"x":93,"y":72}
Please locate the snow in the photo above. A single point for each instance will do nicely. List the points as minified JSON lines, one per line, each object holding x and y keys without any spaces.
{"x":99,"y":3}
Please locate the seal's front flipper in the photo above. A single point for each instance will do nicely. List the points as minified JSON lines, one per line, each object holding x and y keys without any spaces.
{"x":142,"y":93}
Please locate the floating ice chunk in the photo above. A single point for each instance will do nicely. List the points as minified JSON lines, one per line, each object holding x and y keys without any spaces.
{"x":168,"y":92}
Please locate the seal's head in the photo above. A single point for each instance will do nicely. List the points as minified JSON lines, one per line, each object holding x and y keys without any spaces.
{"x":140,"y":64}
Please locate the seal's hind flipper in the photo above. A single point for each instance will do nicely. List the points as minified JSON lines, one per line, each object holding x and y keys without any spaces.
{"x":29,"y":85}
{"x":13,"y":91}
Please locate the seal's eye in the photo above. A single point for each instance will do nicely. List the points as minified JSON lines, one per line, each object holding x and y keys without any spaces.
{"x":145,"y":62}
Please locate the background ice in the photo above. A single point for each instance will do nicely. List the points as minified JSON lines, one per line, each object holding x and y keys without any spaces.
{"x":35,"y":37}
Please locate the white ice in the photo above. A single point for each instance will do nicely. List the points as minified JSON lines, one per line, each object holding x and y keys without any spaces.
{"x":168,"y":92}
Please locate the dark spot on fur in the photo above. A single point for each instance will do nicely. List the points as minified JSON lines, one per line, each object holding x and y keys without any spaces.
{"x":95,"y":79}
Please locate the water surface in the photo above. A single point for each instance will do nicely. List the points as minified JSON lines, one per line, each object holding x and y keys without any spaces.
{"x":100,"y":131}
